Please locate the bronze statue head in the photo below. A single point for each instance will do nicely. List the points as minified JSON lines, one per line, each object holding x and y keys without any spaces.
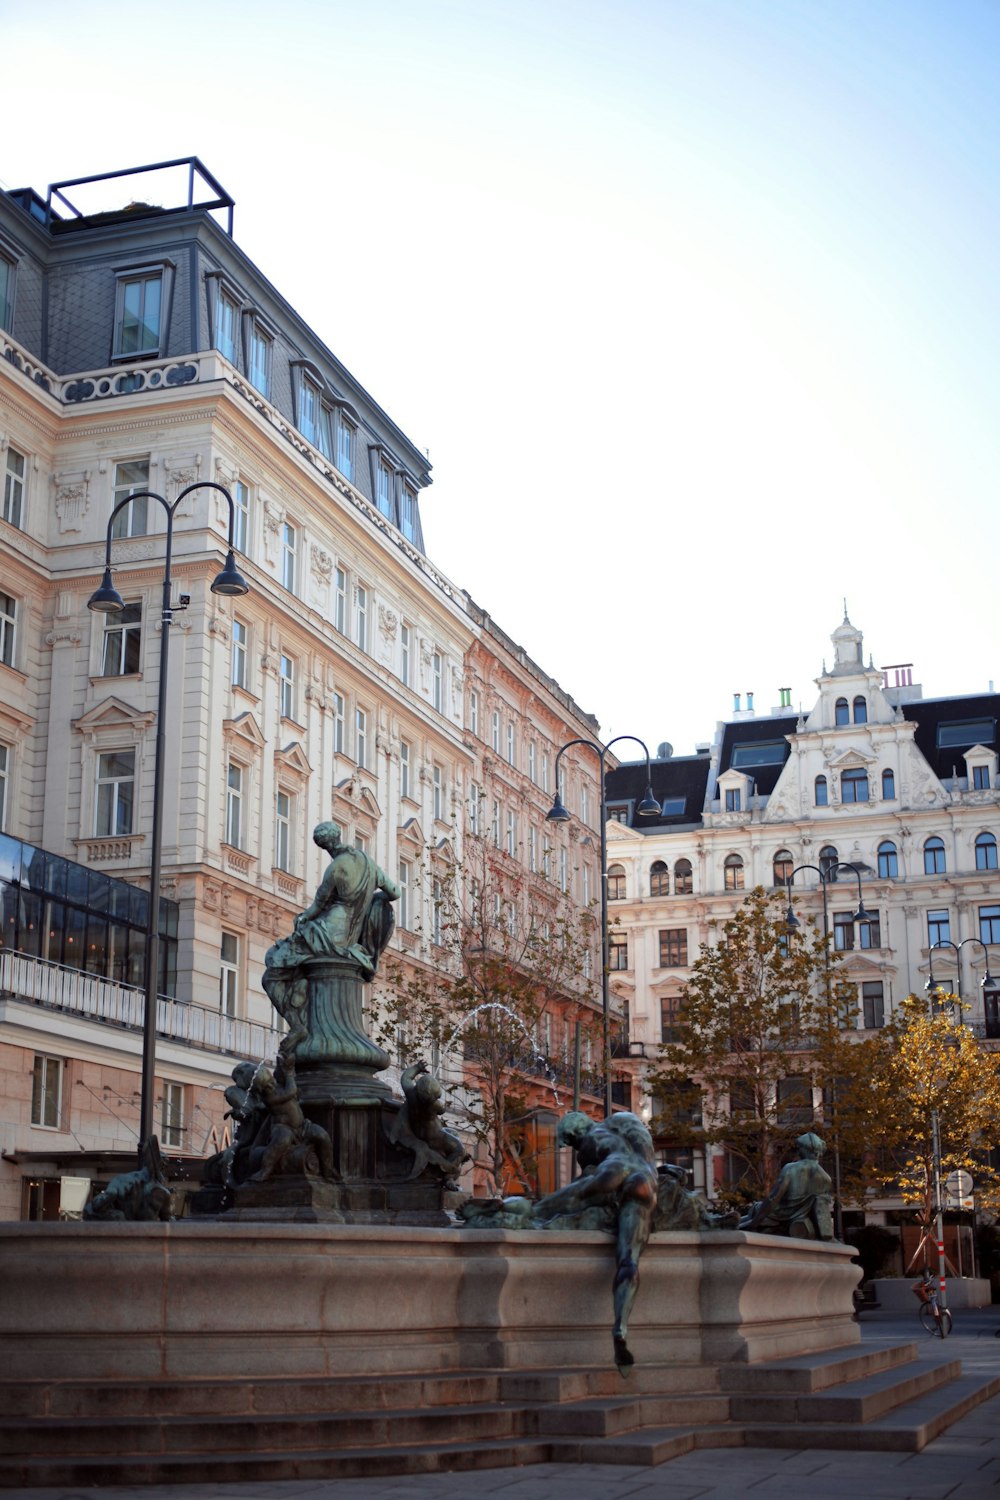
{"x":327,"y":836}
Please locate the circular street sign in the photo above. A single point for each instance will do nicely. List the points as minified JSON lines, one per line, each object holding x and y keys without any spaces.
{"x":959,"y":1184}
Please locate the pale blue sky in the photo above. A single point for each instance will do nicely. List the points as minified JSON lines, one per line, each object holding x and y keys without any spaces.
{"x":694,"y":304}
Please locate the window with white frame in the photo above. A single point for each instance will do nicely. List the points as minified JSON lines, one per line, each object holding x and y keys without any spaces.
{"x":235,"y":787}
{"x":404,"y":768}
{"x":339,"y":716}
{"x":511,"y":743}
{"x":115,"y":793}
{"x":980,"y":778}
{"x":474,"y":801}
{"x":408,"y":511}
{"x":238,"y":664}
{"x":474,"y":711}
{"x":283,"y":818}
{"x":546,"y":859}
{"x":227,"y":323}
{"x":533,"y":849}
{"x":872,"y":1004}
{"x":545,"y":770}
{"x":173,"y":1115}
{"x":511,"y":833}
{"x":403,"y":909}
{"x":437,"y":681}
{"x":259,"y":346}
{"x":361,"y":616}
{"x":131,"y":476}
{"x":563,"y":871}
{"x":139,"y":313}
{"x":437,"y":912}
{"x":437,"y":792}
{"x":5,"y":770}
{"x":7,"y":277}
{"x":495,"y":730}
{"x":46,"y":1091}
{"x":495,"y":824}
{"x":938,"y":927}
{"x":361,"y":737}
{"x":346,"y":440}
{"x":289,"y":544}
{"x":122,"y":647}
{"x":340,"y":600}
{"x":229,"y":974}
{"x":532,"y":762}
{"x":241,"y":517}
{"x":405,"y":654}
{"x":618,"y":951}
{"x":585,"y":804}
{"x":314,"y":417}
{"x":585,"y":885}
{"x":384,"y":486}
{"x":286,"y":686}
{"x":13,"y":487}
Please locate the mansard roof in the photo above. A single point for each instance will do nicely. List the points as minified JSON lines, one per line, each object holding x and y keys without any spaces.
{"x":682,"y":780}
{"x":745,"y":746}
{"x":948,"y":727}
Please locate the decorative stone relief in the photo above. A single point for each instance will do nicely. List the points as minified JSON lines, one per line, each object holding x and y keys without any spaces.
{"x":274,"y":519}
{"x":72,"y":500}
{"x":388,"y":622}
{"x":180,"y":472}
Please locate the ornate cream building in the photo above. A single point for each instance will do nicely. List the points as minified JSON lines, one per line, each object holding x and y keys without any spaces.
{"x":141,"y":349}
{"x":902,"y":787}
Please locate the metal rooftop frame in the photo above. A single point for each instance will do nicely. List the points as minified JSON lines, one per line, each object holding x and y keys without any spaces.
{"x":194,"y":166}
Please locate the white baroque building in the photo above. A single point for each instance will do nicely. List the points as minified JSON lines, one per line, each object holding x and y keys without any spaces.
{"x":876,"y":776}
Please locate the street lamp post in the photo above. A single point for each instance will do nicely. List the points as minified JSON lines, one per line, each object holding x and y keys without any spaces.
{"x":107,"y":600}
{"x":828,"y":873}
{"x":648,"y":808}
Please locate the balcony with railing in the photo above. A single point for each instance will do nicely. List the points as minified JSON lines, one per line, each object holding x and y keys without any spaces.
{"x":35,"y":981}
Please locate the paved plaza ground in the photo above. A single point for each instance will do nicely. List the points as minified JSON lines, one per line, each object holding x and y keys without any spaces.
{"x":963,"y":1464}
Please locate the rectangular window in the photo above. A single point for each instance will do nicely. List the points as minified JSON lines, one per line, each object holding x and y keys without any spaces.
{"x":229,"y":974}
{"x":173,"y":1115}
{"x":872,"y":1005}
{"x":283,"y":830}
{"x":617,"y":951}
{"x":408,"y":512}
{"x":5,"y":758}
{"x":241,"y":638}
{"x":13,"y":487}
{"x":6,"y":293}
{"x":673,"y":947}
{"x":989,"y":924}
{"x":122,"y":653}
{"x":338,"y":723}
{"x":241,"y":517}
{"x":345,"y":447}
{"x":403,"y":909}
{"x":843,"y":931}
{"x":361,"y":617}
{"x":437,"y":681}
{"x":584,"y":805}
{"x":437,"y":914}
{"x":234,"y":805}
{"x":733,"y":799}
{"x":495,"y":826}
{"x":138,"y":314}
{"x":474,"y":712}
{"x":545,"y":770}
{"x":46,"y":1091}
{"x":938,"y":928}
{"x":404,"y":769}
{"x":474,"y":803}
{"x":437,"y":788}
{"x":980,"y":774}
{"x":511,"y":834}
{"x":671,"y":1015}
{"x":259,"y":358}
{"x":115,"y":793}
{"x":227,"y":318}
{"x":289,"y":541}
{"x":286,"y":688}
{"x":383,"y":490}
{"x":563,"y":871}
{"x":361,"y":737}
{"x":309,"y":409}
{"x":405,"y":654}
{"x":130,"y":476}
{"x":532,"y":762}
{"x":495,"y":731}
{"x":340,"y":601}
{"x":511,"y":744}
{"x":854,"y":786}
{"x":533,"y":850}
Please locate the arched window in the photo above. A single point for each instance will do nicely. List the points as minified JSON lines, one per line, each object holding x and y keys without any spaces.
{"x":822,"y":796}
{"x":683,"y":882}
{"x":860,"y":710}
{"x":986,"y":852}
{"x":659,"y":879}
{"x":829,"y":859}
{"x":888,"y":786}
{"x":733,"y":872}
{"x":888,"y":861}
{"x":842,"y":711}
{"x":616,"y":882}
{"x":934,"y":862}
{"x":783,"y":866}
{"x":854,"y":786}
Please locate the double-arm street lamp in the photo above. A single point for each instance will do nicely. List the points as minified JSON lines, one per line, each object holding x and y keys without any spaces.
{"x":648,"y":807}
{"x":827,"y":876}
{"x":107,"y":600}
{"x":987,"y":984}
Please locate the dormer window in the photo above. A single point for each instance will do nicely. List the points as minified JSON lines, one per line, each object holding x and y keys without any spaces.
{"x":140,"y":307}
{"x":259,"y":345}
{"x":734,"y":799}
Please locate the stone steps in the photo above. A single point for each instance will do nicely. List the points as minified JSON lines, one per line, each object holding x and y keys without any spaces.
{"x":116,"y":1432}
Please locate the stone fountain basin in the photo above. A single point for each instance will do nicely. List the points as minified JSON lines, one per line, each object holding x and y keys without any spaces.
{"x":211,"y":1299}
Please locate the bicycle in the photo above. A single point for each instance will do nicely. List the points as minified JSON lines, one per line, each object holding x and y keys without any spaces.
{"x":934,"y":1319}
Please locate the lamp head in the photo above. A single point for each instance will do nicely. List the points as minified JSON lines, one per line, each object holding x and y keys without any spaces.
{"x":106,"y":600}
{"x":648,"y":807}
{"x":792,"y":923}
{"x":230,"y":581}
{"x":557,"y":812}
{"x":988,"y":982}
{"x":863,"y":914}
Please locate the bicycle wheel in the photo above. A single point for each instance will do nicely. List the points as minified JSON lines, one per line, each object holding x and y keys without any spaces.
{"x":945,"y":1328}
{"x":928,"y":1322}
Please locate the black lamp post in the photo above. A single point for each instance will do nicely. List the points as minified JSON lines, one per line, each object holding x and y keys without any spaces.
{"x":648,"y":808}
{"x":987,"y":984}
{"x":828,"y":873}
{"x":107,"y":600}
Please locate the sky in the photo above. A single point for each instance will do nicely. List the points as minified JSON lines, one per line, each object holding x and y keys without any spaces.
{"x":693,"y":304}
